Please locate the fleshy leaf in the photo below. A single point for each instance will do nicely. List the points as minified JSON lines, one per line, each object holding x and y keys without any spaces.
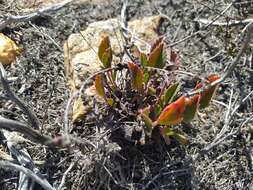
{"x":148,"y":122}
{"x":173,"y":113}
{"x":146,"y":77}
{"x":156,"y":57}
{"x":99,"y":85}
{"x":191,"y":107}
{"x":136,"y":76}
{"x":157,"y":110}
{"x":156,"y":43}
{"x":167,"y":133}
{"x":213,"y":78}
{"x":151,"y":91}
{"x":171,"y":93}
{"x":171,"y":133}
{"x":105,"y":52}
{"x":208,"y":94}
{"x":143,"y":59}
{"x":181,"y":138}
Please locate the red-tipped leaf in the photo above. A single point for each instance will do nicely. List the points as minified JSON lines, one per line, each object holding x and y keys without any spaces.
{"x":156,"y":58}
{"x":156,"y":43}
{"x":173,"y":113}
{"x":208,"y":94}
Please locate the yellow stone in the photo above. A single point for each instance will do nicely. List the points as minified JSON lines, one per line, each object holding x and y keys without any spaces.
{"x":8,"y":50}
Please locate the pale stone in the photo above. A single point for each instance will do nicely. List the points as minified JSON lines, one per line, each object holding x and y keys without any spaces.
{"x":81,"y":58}
{"x":80,"y":55}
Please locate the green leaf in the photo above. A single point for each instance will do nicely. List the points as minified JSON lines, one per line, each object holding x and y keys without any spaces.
{"x":146,"y":77}
{"x":207,"y":95}
{"x":145,"y":110}
{"x":157,"y":110}
{"x":105,"y":52}
{"x":171,"y":93}
{"x":110,"y":101}
{"x":143,"y":59}
{"x":191,"y":107}
{"x":151,"y":91}
{"x":99,"y":85}
{"x":181,"y":138}
{"x":156,"y":57}
{"x":168,"y":132}
{"x":148,"y":122}
{"x":136,"y":76}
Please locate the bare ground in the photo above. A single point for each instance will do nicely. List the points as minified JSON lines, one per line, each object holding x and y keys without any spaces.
{"x":40,"y":75}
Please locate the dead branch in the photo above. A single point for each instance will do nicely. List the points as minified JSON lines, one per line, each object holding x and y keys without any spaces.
{"x":11,"y":96}
{"x":12,"y":166}
{"x":29,"y":132}
{"x":16,"y":19}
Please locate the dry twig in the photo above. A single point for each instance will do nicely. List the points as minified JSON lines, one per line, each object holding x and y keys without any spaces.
{"x":227,"y":24}
{"x":249,"y":32}
{"x":12,"y":166}
{"x":16,"y":19}
{"x":32,"y":134}
{"x":11,"y":96}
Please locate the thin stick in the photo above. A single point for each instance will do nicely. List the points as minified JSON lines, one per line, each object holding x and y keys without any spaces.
{"x":10,"y":95}
{"x":29,"y":132}
{"x":65,"y":175}
{"x":227,"y":24}
{"x":196,"y":33}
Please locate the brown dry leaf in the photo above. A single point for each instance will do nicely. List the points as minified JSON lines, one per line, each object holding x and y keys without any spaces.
{"x":8,"y":50}
{"x":79,"y":110}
